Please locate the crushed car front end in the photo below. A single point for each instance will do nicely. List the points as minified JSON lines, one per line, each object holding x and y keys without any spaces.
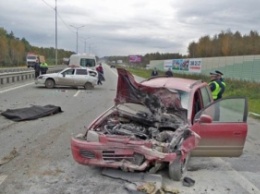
{"x":146,"y":130}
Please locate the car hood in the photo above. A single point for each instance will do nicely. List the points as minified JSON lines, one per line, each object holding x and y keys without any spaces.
{"x":157,"y":99}
{"x":50,"y":75}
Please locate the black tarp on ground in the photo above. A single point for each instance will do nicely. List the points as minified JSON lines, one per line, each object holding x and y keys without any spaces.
{"x":31,"y":113}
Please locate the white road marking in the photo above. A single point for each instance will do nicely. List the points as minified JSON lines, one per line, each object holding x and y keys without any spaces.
{"x":2,"y":178}
{"x":115,"y":72}
{"x":75,"y":95}
{"x":236,"y":176}
{"x":14,"y":88}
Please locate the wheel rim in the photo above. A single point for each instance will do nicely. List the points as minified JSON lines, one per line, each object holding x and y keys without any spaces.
{"x":49,"y":84}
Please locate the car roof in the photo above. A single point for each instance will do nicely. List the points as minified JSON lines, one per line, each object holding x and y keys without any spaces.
{"x":173,"y":83}
{"x":77,"y":67}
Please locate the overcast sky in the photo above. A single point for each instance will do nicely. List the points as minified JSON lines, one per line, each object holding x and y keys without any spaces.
{"x":126,"y":27}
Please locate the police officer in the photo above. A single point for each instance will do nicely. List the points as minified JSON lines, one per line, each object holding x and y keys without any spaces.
{"x":214,"y":85}
{"x":222,"y":83}
{"x":43,"y":67}
{"x":217,"y":89}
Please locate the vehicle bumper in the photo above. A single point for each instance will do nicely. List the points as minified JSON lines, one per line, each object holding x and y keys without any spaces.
{"x":116,"y":155}
{"x":40,"y":82}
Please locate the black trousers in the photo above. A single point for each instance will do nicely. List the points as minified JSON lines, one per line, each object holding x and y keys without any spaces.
{"x":37,"y":73}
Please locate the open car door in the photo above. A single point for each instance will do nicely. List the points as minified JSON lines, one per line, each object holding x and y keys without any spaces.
{"x":222,"y":126}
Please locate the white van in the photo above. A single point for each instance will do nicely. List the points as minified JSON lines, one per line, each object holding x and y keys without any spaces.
{"x":83,"y":60}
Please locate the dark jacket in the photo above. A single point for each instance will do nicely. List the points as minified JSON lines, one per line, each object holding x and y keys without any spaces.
{"x":169,"y":73}
{"x":37,"y":67}
{"x":154,"y":73}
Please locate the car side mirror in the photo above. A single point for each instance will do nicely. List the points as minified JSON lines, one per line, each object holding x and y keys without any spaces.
{"x":205,"y":119}
{"x":64,"y":74}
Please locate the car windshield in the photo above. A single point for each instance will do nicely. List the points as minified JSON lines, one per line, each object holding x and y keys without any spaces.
{"x":31,"y":57}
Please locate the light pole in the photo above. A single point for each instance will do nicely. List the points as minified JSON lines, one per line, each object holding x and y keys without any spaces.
{"x":85,"y":43}
{"x":56,"y":35}
{"x":77,"y":35}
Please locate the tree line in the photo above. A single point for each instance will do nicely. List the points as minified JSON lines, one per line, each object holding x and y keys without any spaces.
{"x":13,"y":50}
{"x":225,"y":43}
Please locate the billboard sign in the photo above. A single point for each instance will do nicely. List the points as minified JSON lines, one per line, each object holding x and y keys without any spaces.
{"x":195,"y":65}
{"x":189,"y":65}
{"x":167,"y":64}
{"x":135,"y":58}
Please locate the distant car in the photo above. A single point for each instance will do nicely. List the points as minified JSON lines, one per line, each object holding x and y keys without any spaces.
{"x":74,"y":77}
{"x":112,"y":66}
{"x":161,"y":122}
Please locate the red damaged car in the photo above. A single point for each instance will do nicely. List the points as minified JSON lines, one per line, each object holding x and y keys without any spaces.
{"x":161,"y":122}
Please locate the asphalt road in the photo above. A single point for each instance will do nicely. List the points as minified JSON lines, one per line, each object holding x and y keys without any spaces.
{"x":44,"y":163}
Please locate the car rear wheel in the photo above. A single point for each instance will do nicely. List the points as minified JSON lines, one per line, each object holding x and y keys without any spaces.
{"x":178,"y":167}
{"x":88,"y":86}
{"x":49,"y":83}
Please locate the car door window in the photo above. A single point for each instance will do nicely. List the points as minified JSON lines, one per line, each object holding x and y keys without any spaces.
{"x":81,"y":72}
{"x":227,"y":110}
{"x":206,"y":99}
{"x":69,"y":72}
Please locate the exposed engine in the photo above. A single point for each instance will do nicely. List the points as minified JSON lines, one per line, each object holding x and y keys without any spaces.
{"x":143,"y":127}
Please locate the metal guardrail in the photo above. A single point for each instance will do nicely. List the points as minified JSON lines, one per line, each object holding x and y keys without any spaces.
{"x":18,"y":76}
{"x":7,"y":78}
{"x":14,"y":69}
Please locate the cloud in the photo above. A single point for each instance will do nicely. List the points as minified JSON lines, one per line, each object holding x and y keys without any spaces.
{"x":113,"y":27}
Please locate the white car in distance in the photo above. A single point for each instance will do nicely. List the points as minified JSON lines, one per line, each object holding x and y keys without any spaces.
{"x":72,"y":77}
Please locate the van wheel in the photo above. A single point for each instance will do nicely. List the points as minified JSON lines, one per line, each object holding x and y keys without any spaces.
{"x":49,"y":83}
{"x":88,"y":86}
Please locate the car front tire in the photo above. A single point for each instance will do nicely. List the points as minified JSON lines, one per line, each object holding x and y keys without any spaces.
{"x":49,"y":83}
{"x":178,"y":167}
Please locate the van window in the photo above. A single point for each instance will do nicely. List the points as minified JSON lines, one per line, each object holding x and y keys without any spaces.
{"x":87,"y":62}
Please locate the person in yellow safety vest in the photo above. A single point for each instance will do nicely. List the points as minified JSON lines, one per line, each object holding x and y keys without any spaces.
{"x":220,"y":78}
{"x":44,"y":67}
{"x":216,"y":87}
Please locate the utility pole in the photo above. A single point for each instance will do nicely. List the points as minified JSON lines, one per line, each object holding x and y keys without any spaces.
{"x":77,"y":35}
{"x":56,"y":35}
{"x":85,"y":44}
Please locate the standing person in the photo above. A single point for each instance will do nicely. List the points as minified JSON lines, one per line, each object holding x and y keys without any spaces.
{"x":100,"y":74}
{"x":154,"y":72}
{"x":217,"y":89}
{"x":222,"y":83}
{"x":37,"y":68}
{"x":169,"y":73}
{"x":216,"y":86}
{"x":44,"y":67}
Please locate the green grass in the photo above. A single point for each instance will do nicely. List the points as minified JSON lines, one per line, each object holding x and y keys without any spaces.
{"x":251,"y":90}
